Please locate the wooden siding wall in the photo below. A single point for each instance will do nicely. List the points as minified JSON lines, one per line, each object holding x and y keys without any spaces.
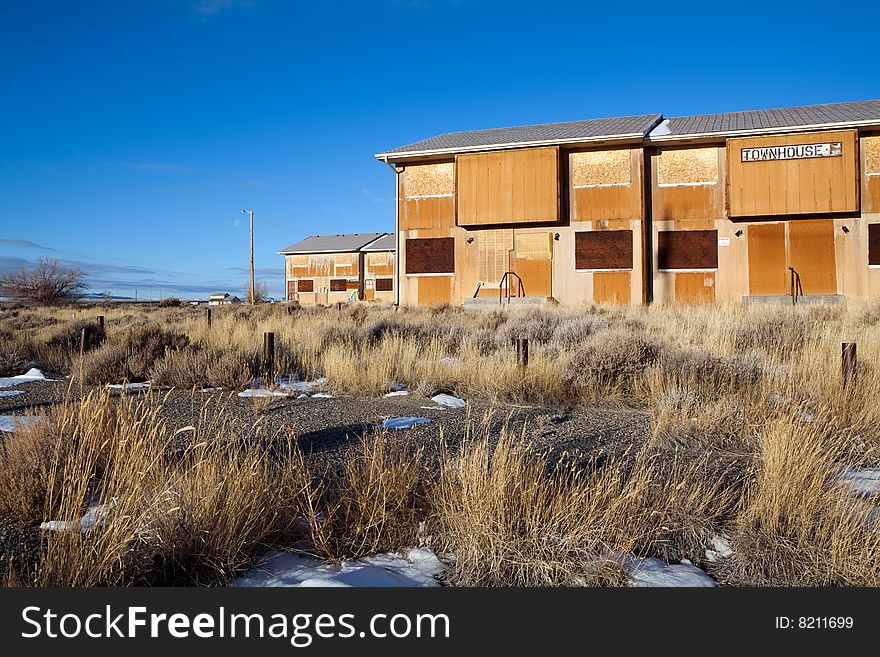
{"x":792,"y":187}
{"x":870,"y":166}
{"x":507,"y":187}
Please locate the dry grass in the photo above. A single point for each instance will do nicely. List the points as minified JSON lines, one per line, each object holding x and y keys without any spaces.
{"x":750,"y":422}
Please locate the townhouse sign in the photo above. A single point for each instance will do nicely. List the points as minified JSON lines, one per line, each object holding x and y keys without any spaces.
{"x":792,"y":152}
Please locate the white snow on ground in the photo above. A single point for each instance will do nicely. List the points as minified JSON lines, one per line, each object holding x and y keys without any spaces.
{"x":209,"y":389}
{"x":262,"y":392}
{"x":720,"y":549}
{"x":397,"y":393}
{"x":94,"y":517}
{"x":292,"y":383}
{"x":863,"y":482}
{"x":11,"y":393}
{"x":433,"y":408}
{"x":402,"y":422}
{"x":416,"y":568}
{"x":9,"y":422}
{"x":322,"y":395}
{"x":653,"y":572}
{"x":302,"y":395}
{"x":449,"y":401}
{"x":32,"y":374}
{"x":125,"y":387}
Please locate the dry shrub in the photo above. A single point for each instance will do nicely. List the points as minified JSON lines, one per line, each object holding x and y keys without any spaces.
{"x":773,"y":331}
{"x":195,"y":368}
{"x":510,"y":519}
{"x":69,"y":335}
{"x":12,"y":360}
{"x":610,"y":364}
{"x":131,"y":355}
{"x":373,"y":506}
{"x":800,"y":526}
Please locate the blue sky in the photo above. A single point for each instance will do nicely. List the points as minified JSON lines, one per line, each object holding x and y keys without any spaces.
{"x":132,"y":133}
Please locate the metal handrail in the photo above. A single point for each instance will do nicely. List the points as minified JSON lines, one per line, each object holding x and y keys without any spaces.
{"x":504,"y":280}
{"x":796,"y":289}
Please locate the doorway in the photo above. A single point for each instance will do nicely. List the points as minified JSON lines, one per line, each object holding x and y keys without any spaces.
{"x":807,"y":245}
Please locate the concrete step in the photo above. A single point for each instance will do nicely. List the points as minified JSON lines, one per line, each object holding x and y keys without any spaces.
{"x":492,"y":303}
{"x":813,"y":299}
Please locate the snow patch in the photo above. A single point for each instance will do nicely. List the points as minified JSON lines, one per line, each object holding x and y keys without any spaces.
{"x":653,"y":572}
{"x":720,"y":549}
{"x":11,"y":393}
{"x":862,"y":482}
{"x":94,"y":517}
{"x":402,"y":422}
{"x":262,"y":392}
{"x":416,"y":568}
{"x":292,"y":383}
{"x":129,"y":386}
{"x":32,"y":374}
{"x":322,"y":395}
{"x":397,"y":393}
{"x":8,"y":423}
{"x":449,"y":401}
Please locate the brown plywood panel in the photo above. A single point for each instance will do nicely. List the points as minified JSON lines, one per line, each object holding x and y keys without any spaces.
{"x":432,"y":255}
{"x":687,"y":249}
{"x":494,"y":254}
{"x":612,"y":287}
{"x":533,"y":246}
{"x":380,"y":264}
{"x":874,"y":244}
{"x":425,"y":213}
{"x":536,"y":275}
{"x":695,"y":287}
{"x":338,"y":285}
{"x":603,"y":249}
{"x":793,"y":186}
{"x":305,"y":285}
{"x":504,"y":187}
{"x":435,"y":290}
{"x":768,"y":271}
{"x":687,"y":166}
{"x":697,"y":206}
{"x":601,"y":168}
{"x":384,"y":284}
{"x":871,"y":197}
{"x":811,"y":253}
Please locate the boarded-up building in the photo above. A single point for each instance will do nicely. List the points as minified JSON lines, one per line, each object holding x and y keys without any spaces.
{"x":326,"y":269}
{"x":637,"y":209}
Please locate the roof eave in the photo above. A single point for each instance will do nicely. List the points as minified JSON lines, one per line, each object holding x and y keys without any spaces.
{"x":724,"y":134}
{"x":602,"y":139}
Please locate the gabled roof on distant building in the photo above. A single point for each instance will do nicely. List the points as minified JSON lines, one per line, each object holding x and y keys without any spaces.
{"x":843,"y":115}
{"x":333,"y":243}
{"x":385,"y":243}
{"x":545,"y":134}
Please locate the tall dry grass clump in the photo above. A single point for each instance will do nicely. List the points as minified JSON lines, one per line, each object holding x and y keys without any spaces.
{"x":131,"y":507}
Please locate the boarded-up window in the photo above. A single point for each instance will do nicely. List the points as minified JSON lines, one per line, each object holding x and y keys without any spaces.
{"x":494,"y":249}
{"x":427,"y":180}
{"x":532,"y":246}
{"x":430,"y":255}
{"x":874,"y":244}
{"x":384,"y":284}
{"x":338,"y":285}
{"x":291,"y":289}
{"x":689,"y":166}
{"x":687,"y":249}
{"x":603,"y":249}
{"x":507,"y":187}
{"x":601,"y":168}
{"x":305,"y":285}
{"x":872,"y":155}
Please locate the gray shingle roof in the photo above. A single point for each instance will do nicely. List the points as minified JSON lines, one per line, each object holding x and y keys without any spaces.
{"x":333,"y":243}
{"x":786,"y":117}
{"x":568,"y":131}
{"x":386,"y":243}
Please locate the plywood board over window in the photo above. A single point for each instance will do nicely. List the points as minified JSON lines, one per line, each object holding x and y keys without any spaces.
{"x":305,"y":285}
{"x":338,"y":285}
{"x":872,"y":155}
{"x":429,"y":180}
{"x":687,"y":166}
{"x":494,"y":255}
{"x":687,"y":249}
{"x":601,"y":168}
{"x":384,"y":284}
{"x":507,"y":187}
{"x":430,"y":255}
{"x":603,"y":250}
{"x":771,"y":176}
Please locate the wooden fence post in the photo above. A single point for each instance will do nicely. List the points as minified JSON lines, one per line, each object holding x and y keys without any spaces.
{"x":847,"y":361}
{"x":269,"y":356}
{"x":101,"y":322}
{"x":522,"y":351}
{"x":208,"y":316}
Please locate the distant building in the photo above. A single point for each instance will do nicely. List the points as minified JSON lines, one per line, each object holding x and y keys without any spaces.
{"x":326,"y":269}
{"x":222,"y":299}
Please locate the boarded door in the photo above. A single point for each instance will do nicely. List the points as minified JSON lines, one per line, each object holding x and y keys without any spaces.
{"x":611,"y":287}
{"x":532,"y":260}
{"x":811,"y":253}
{"x":695,"y":287}
{"x":435,"y":290}
{"x":767,"y":263}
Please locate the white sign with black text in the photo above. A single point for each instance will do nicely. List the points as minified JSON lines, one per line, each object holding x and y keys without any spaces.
{"x":792,"y":152}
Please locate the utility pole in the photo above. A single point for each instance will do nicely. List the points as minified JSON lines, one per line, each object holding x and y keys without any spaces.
{"x":251,"y":213}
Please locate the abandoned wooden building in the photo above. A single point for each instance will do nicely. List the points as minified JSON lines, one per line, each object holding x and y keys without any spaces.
{"x":743,"y":206}
{"x":326,"y":269}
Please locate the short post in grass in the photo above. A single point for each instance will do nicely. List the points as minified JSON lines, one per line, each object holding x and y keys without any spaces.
{"x":847,"y":361}
{"x":208,"y":316}
{"x":522,"y":352}
{"x":101,"y":322}
{"x":83,"y":341}
{"x":269,"y":356}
